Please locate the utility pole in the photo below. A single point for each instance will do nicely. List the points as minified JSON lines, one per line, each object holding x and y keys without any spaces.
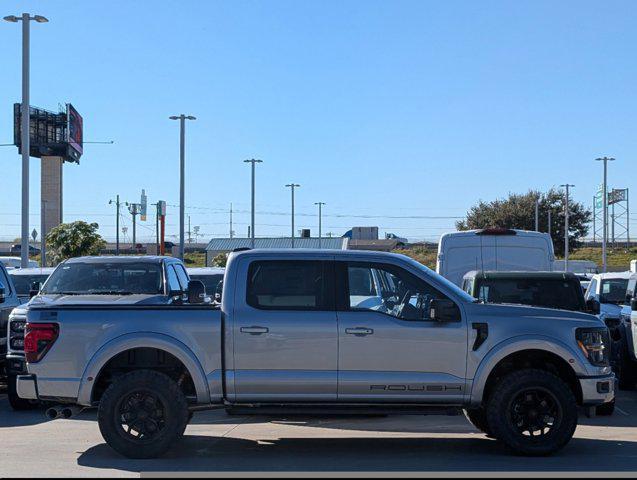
{"x":117,"y":205}
{"x":549,"y":221}
{"x":182,"y":173}
{"x":253,"y":161}
{"x":605,"y":209}
{"x":189,"y":233}
{"x":292,"y":186}
{"x":25,"y":119}
{"x":566,"y":212}
{"x":320,"y":205}
{"x":537,"y":214}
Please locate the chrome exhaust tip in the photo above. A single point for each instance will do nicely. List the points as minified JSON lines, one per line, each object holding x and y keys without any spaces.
{"x":52,"y":413}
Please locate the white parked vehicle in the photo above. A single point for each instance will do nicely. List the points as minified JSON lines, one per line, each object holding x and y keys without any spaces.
{"x":609,"y":289}
{"x":15,"y":262}
{"x":493,"y":249}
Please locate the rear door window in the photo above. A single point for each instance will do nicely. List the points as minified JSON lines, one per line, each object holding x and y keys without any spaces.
{"x":289,"y":285}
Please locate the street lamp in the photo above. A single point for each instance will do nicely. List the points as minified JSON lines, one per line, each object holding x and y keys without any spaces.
{"x":320,"y":205}
{"x":182,"y":154}
{"x":567,"y":186}
{"x":292,"y":186}
{"x":604,"y":208}
{"x":25,"y":142}
{"x":253,"y":161}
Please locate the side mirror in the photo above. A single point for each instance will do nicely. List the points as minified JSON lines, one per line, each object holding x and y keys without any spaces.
{"x":2,"y":294}
{"x":593,"y":306}
{"x":35,"y":289}
{"x":443,"y":310}
{"x":196,"y":292}
{"x":633,"y":304}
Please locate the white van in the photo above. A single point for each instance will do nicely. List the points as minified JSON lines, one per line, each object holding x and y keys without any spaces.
{"x":576,"y":266}
{"x":493,"y":249}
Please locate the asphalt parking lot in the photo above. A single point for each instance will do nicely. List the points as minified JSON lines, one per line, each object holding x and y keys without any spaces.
{"x":33,"y":446}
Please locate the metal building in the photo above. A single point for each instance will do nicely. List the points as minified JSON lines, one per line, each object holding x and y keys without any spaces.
{"x":227,"y":245}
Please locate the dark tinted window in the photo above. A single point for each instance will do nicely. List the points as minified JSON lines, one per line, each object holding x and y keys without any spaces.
{"x":211,"y":282}
{"x":105,"y":278}
{"x":614,"y":290}
{"x":288,"y":285}
{"x":23,"y":283}
{"x":549,"y":293}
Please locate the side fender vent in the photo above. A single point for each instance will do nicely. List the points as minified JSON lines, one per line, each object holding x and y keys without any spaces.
{"x":482,"y":333}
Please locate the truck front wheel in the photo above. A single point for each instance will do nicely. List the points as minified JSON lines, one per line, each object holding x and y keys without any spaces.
{"x":478,"y":418}
{"x":533,"y":412}
{"x":142,"y":414}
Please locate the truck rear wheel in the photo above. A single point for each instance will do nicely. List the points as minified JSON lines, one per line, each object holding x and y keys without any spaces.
{"x":533,"y":412}
{"x":142,"y":414}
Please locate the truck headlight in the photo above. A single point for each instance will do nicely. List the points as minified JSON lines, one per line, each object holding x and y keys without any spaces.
{"x":18,"y":327}
{"x":595,"y":345}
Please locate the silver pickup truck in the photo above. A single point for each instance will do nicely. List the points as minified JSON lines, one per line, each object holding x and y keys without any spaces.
{"x":320,"y":331}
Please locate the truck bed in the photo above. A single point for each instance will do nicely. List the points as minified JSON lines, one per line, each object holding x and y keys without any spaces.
{"x":90,"y":335}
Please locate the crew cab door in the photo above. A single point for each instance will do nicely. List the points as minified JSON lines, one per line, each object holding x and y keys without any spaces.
{"x":389,"y":349}
{"x":285,"y":331}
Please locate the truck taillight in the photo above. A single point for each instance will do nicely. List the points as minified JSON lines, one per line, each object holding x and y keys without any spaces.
{"x":39,"y":339}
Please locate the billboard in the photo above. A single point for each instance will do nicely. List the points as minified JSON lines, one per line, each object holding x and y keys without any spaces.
{"x":50,"y":133}
{"x":617,"y":195}
{"x":74,"y":132}
{"x":144,"y":206}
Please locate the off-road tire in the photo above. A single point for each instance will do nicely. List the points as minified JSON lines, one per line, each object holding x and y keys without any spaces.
{"x":478,"y":418}
{"x":17,"y":404}
{"x":627,"y":368}
{"x":174,"y":413}
{"x":501,"y":408}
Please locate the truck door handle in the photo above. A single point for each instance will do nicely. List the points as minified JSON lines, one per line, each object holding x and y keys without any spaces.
{"x":255,"y":330}
{"x":360,"y":332}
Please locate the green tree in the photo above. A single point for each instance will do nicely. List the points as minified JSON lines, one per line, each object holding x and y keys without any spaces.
{"x":75,"y":239}
{"x":220,"y":260}
{"x":518,"y":211}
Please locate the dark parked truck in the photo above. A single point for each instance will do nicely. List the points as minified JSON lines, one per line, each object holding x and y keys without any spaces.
{"x":324,"y":331}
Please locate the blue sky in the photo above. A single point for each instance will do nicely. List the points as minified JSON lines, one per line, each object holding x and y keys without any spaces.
{"x":387,"y":109}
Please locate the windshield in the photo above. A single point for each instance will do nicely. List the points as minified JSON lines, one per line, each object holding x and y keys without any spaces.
{"x":106,"y":279}
{"x":614,"y":290}
{"x":211,"y":282}
{"x":23,"y":283}
{"x":548,"y":293}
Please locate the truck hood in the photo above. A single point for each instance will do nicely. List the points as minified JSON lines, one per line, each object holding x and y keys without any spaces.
{"x":62,"y":300}
{"x":528,"y":312}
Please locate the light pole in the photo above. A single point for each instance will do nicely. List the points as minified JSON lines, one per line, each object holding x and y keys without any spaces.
{"x":42,"y":236}
{"x":25,"y":120}
{"x":567,"y":186}
{"x":182,"y":167}
{"x":253,"y":161}
{"x":117,"y":204}
{"x":605,"y":208}
{"x":292,"y":186}
{"x":320,"y":205}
